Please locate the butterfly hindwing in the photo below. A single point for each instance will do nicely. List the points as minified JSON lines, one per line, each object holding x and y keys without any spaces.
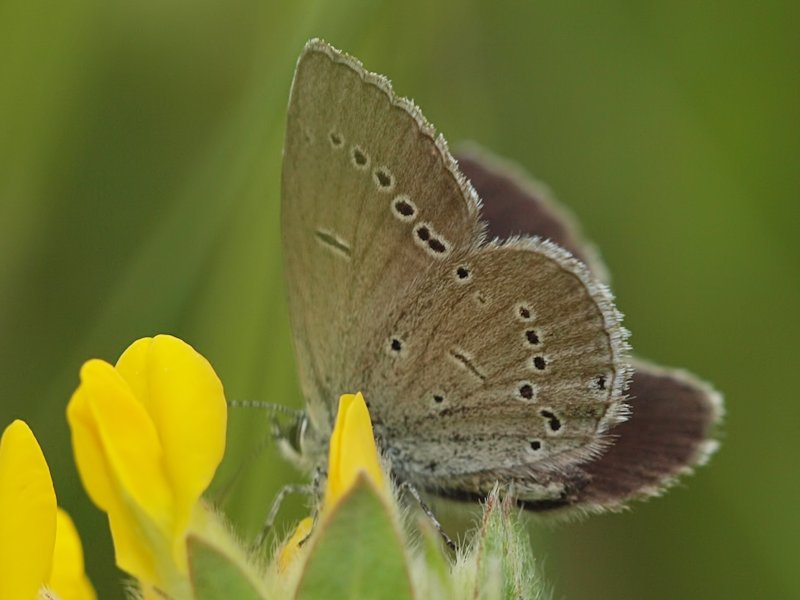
{"x":672,"y":413}
{"x":512,"y":367}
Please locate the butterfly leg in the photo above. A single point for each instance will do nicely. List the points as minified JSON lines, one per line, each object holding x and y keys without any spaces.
{"x":290,"y":488}
{"x":406,"y":486}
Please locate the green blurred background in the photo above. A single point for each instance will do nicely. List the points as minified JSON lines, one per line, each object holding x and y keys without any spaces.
{"x":140,"y":151}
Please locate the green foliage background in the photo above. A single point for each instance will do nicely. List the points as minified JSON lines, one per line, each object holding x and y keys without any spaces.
{"x":140,"y":151}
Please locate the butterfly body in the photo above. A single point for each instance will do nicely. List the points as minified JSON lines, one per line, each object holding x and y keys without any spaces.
{"x":482,"y":360}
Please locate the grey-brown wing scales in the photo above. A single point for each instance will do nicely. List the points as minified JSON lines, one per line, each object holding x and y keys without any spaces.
{"x":510,"y":366}
{"x":360,"y":167}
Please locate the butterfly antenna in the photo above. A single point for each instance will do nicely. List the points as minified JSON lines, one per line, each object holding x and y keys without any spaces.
{"x":271,"y":407}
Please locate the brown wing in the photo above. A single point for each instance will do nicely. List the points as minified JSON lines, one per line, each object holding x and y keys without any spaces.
{"x":672,"y":419}
{"x":672,"y":413}
{"x":513,"y":203}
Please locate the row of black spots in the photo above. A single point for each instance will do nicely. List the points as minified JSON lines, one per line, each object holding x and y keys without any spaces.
{"x":427,"y":239}
{"x":382,"y":176}
{"x":401,"y":205}
{"x":554,"y":424}
{"x":531,"y":338}
{"x":535,"y":446}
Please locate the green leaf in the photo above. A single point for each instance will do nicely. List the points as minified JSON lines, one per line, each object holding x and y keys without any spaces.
{"x":358,"y":554}
{"x":215,"y":575}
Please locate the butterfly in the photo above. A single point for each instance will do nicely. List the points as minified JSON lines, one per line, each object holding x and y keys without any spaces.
{"x":467,"y":308}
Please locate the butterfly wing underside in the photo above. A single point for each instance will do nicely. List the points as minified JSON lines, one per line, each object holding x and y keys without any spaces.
{"x":360,"y":166}
{"x":480,"y":362}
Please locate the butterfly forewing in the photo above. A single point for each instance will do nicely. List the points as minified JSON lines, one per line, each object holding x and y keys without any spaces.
{"x":370,"y":201}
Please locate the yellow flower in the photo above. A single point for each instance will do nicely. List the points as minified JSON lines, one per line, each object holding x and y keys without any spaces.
{"x":291,"y":547}
{"x":148,"y":435}
{"x":40,"y":547}
{"x":352,"y":452}
{"x":68,"y":579}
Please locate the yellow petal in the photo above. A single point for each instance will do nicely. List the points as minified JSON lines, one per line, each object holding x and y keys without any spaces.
{"x":289,"y":551}
{"x":68,"y":579}
{"x":148,"y":436}
{"x":184,"y":398}
{"x":119,"y":458}
{"x":352,"y":450}
{"x":27,"y":514}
